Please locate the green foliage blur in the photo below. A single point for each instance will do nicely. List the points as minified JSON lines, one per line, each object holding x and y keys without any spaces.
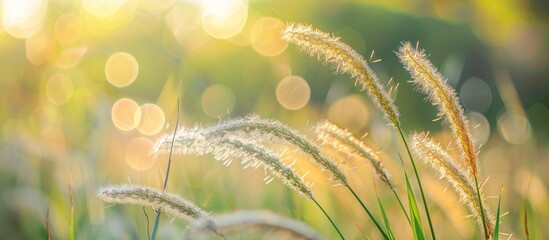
{"x":87,"y":86}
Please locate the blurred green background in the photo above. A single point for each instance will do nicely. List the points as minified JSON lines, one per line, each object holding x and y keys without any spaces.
{"x":87,"y":86}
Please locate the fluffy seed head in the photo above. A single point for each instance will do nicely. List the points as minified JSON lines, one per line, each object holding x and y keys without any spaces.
{"x":256,"y":130}
{"x":431,"y":82}
{"x":343,"y":141}
{"x":150,"y":197}
{"x":445,"y":166}
{"x":346,"y":60}
{"x":246,"y":220}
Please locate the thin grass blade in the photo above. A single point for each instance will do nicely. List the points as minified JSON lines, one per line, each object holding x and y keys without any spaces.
{"x":417,"y":227}
{"x":496,"y":233}
{"x":385,"y":219}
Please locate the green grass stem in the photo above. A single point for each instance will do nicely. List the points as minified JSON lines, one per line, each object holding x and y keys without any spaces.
{"x":418,"y":182}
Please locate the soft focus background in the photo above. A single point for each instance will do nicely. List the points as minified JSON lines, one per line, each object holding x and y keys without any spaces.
{"x":87,"y":86}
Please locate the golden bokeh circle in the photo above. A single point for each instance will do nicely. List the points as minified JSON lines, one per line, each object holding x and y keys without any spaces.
{"x":351,"y":112}
{"x":266,"y":36}
{"x":123,"y":113}
{"x":293,"y":92}
{"x":121,"y":69}
{"x":68,"y":28}
{"x":149,"y":119}
{"x":138,"y":154}
{"x":217,"y":100}
{"x":59,"y":89}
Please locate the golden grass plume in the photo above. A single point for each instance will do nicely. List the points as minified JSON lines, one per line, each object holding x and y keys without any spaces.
{"x":431,"y":82}
{"x":346,"y":60}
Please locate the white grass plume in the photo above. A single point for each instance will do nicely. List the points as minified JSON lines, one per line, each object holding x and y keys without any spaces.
{"x":343,"y":141}
{"x":227,"y":148}
{"x":346,"y":60}
{"x":446,"y":167}
{"x":250,"y":220}
{"x":431,"y":82}
{"x":249,"y":129}
{"x":154,"y":198}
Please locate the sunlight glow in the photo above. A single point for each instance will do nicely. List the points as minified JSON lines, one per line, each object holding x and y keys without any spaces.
{"x":224,"y":19}
{"x":102,"y":8}
{"x":23,"y":18}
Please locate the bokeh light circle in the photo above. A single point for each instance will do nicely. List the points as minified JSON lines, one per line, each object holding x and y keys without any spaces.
{"x":293,"y":92}
{"x":217,"y":100}
{"x":121,"y":69}
{"x":68,"y":28}
{"x":138,"y":154}
{"x":23,"y":18}
{"x":351,"y":112}
{"x":266,"y":36}
{"x":149,"y":119}
{"x":475,"y":95}
{"x":123,"y":113}
{"x":513,"y":127}
{"x":59,"y":89}
{"x":480,"y":128}
{"x":224,"y":19}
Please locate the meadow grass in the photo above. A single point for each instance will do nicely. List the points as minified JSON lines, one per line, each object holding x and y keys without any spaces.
{"x":250,"y":141}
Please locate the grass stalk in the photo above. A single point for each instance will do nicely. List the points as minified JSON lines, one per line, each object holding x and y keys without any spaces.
{"x":159,"y":211}
{"x":385,"y":236}
{"x":418,"y":182}
{"x":487,"y":233}
{"x":329,"y":218}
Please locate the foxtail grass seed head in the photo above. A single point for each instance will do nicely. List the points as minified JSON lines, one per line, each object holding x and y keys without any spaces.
{"x":431,"y":82}
{"x":226,"y":148}
{"x":346,"y":60}
{"x":154,"y":198}
{"x":343,"y":141}
{"x":253,"y":220}
{"x":250,"y":129}
{"x":446,"y":167}
{"x":252,"y":155}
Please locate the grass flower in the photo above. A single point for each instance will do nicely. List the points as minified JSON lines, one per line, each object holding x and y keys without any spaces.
{"x":431,"y":82}
{"x":249,"y":129}
{"x":250,"y":220}
{"x":346,"y":60}
{"x":154,"y":198}
{"x":343,"y":141}
{"x":446,"y":167}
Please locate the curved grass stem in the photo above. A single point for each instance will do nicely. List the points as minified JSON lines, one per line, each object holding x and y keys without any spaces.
{"x":329,"y":218}
{"x":419,"y":183}
{"x":402,"y":206}
{"x":383,"y":233}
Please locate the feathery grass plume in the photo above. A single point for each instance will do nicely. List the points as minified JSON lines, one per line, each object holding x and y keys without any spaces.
{"x":446,"y":167}
{"x":240,"y":139}
{"x":261,"y":220}
{"x":431,"y":82}
{"x":154,"y":198}
{"x":226,"y":149}
{"x":346,"y":60}
{"x":344,"y":141}
{"x":250,"y":129}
